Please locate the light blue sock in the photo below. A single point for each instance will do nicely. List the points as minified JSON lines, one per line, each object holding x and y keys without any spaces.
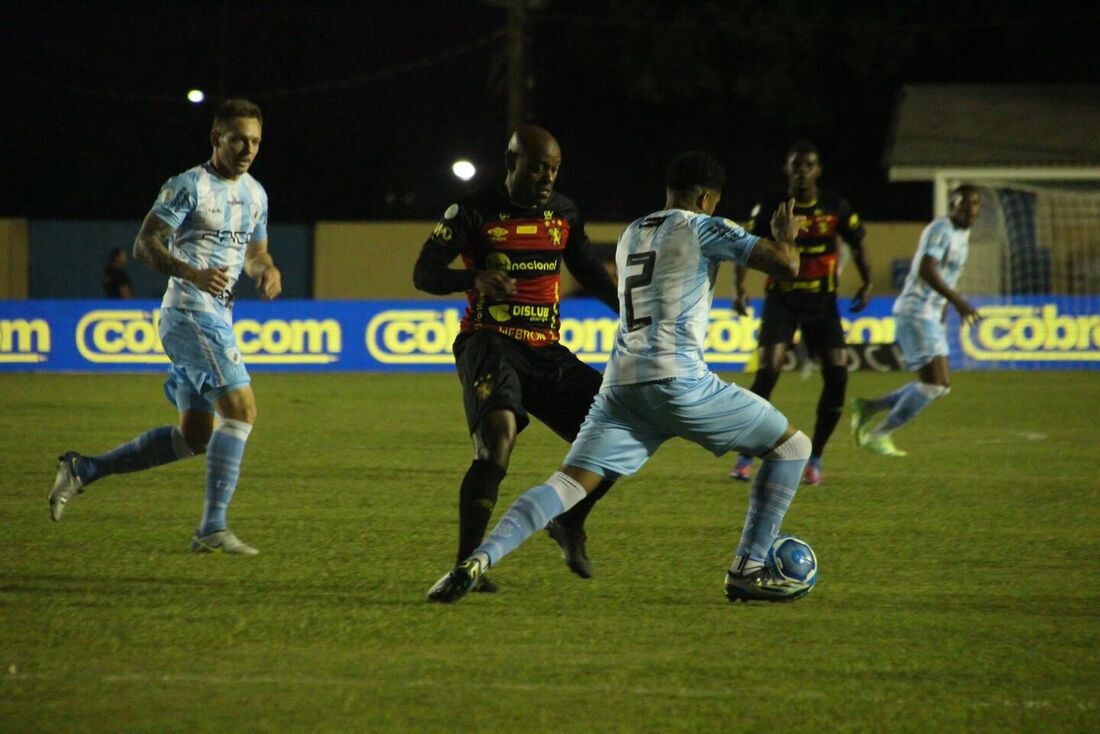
{"x":889,"y":400}
{"x":772,"y":491}
{"x":223,"y":467}
{"x":152,"y":448}
{"x":905,"y":410}
{"x":527,"y":515}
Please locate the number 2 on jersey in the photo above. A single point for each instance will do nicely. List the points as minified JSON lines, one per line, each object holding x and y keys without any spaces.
{"x":640,"y":280}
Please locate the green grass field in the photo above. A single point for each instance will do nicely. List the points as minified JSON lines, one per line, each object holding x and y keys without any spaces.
{"x":958,"y":587}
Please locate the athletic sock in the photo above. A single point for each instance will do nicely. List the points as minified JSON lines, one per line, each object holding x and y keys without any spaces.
{"x":152,"y":448}
{"x":529,"y":514}
{"x":830,"y":405}
{"x":476,"y":499}
{"x":908,"y":406}
{"x":575,"y":517}
{"x":877,"y":405}
{"x":223,"y":468}
{"x":772,"y":491}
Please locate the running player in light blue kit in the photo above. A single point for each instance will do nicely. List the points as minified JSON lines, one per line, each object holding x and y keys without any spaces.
{"x":657,"y":385}
{"x":207,"y":225}
{"x":920,"y":312}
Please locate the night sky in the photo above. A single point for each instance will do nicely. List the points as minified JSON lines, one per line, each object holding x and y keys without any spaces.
{"x":367,"y":104}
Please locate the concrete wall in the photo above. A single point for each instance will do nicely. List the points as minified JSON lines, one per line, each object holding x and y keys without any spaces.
{"x":332,"y":260}
{"x":375,"y":260}
{"x":14,"y":251}
{"x":67,"y":259}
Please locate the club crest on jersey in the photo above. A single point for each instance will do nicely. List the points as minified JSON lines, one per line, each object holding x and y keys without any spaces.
{"x":555,"y":235}
{"x":443,"y":232}
{"x":483,"y":388}
{"x":497,"y":261}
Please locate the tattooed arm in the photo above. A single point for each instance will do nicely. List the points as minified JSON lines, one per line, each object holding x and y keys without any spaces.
{"x":151,"y":247}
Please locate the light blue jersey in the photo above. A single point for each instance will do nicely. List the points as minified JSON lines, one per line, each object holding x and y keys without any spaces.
{"x":949,"y":245}
{"x":667,"y":264}
{"x":215,"y":219}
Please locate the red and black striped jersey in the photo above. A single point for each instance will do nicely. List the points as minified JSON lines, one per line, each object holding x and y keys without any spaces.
{"x":489,"y":232}
{"x":829,"y":220}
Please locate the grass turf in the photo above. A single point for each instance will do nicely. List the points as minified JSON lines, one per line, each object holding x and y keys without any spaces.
{"x":957,"y":591}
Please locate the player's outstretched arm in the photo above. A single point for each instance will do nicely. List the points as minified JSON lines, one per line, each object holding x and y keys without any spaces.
{"x":779,"y":257}
{"x":582,"y":262}
{"x":151,"y":247}
{"x":259,"y":266}
{"x":930,"y":272}
{"x":863,"y":295}
{"x":740,"y":299}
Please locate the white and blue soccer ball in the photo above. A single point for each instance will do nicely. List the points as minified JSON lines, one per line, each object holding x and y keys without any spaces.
{"x":795,"y":561}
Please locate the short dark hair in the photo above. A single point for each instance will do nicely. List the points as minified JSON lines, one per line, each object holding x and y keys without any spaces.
{"x":233,"y":108}
{"x":803,"y":147}
{"x":963,"y":190}
{"x":694,"y":169}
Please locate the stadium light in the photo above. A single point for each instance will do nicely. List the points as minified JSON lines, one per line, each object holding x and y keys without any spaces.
{"x":463,"y":169}
{"x":196,"y":96}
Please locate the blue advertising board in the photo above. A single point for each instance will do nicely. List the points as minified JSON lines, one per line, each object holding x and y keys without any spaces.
{"x":413,"y":336}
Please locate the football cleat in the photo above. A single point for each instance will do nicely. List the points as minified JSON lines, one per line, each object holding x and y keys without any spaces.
{"x":456,"y":583}
{"x":742,"y":470}
{"x":883,"y":445}
{"x":572,"y":541}
{"x":222,"y":541}
{"x":788,"y":573}
{"x":66,"y":484}
{"x":764,"y":583}
{"x":812,"y":475}
{"x":484,"y":586}
{"x":859,"y":420}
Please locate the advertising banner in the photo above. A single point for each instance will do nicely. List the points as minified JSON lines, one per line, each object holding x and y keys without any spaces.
{"x":411,"y":336}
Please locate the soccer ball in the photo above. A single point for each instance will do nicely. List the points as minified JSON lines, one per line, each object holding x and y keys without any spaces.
{"x":795,"y":560}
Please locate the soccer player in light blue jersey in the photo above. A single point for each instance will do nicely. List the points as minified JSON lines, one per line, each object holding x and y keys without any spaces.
{"x":657,"y":386}
{"x":207,"y":226}
{"x":920,"y":312}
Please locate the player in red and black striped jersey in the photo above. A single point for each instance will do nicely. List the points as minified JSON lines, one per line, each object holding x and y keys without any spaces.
{"x":807,"y":302}
{"x":512,"y":240}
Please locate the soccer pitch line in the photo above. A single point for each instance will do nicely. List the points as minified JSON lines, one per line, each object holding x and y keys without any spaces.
{"x":1013,"y":437}
{"x":725,"y":694}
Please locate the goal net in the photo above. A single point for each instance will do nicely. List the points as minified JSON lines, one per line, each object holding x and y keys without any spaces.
{"x":1035,"y":240}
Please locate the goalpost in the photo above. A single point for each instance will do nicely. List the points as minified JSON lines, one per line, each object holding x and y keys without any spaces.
{"x":1034,"y":237}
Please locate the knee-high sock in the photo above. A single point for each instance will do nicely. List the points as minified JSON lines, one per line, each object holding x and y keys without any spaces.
{"x":575,"y":517}
{"x":223,"y":468}
{"x":762,"y":384}
{"x":889,"y":400}
{"x":529,"y":514}
{"x":829,"y":406}
{"x":476,"y":499}
{"x":917,"y":397}
{"x":772,"y":491}
{"x":152,"y":448}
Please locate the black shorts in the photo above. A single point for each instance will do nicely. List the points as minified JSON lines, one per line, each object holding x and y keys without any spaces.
{"x":550,"y":383}
{"x":816,"y":316}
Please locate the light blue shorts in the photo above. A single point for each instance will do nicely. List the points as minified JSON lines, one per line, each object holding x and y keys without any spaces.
{"x":920,"y":340}
{"x":206,"y":362}
{"x":627,"y":423}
